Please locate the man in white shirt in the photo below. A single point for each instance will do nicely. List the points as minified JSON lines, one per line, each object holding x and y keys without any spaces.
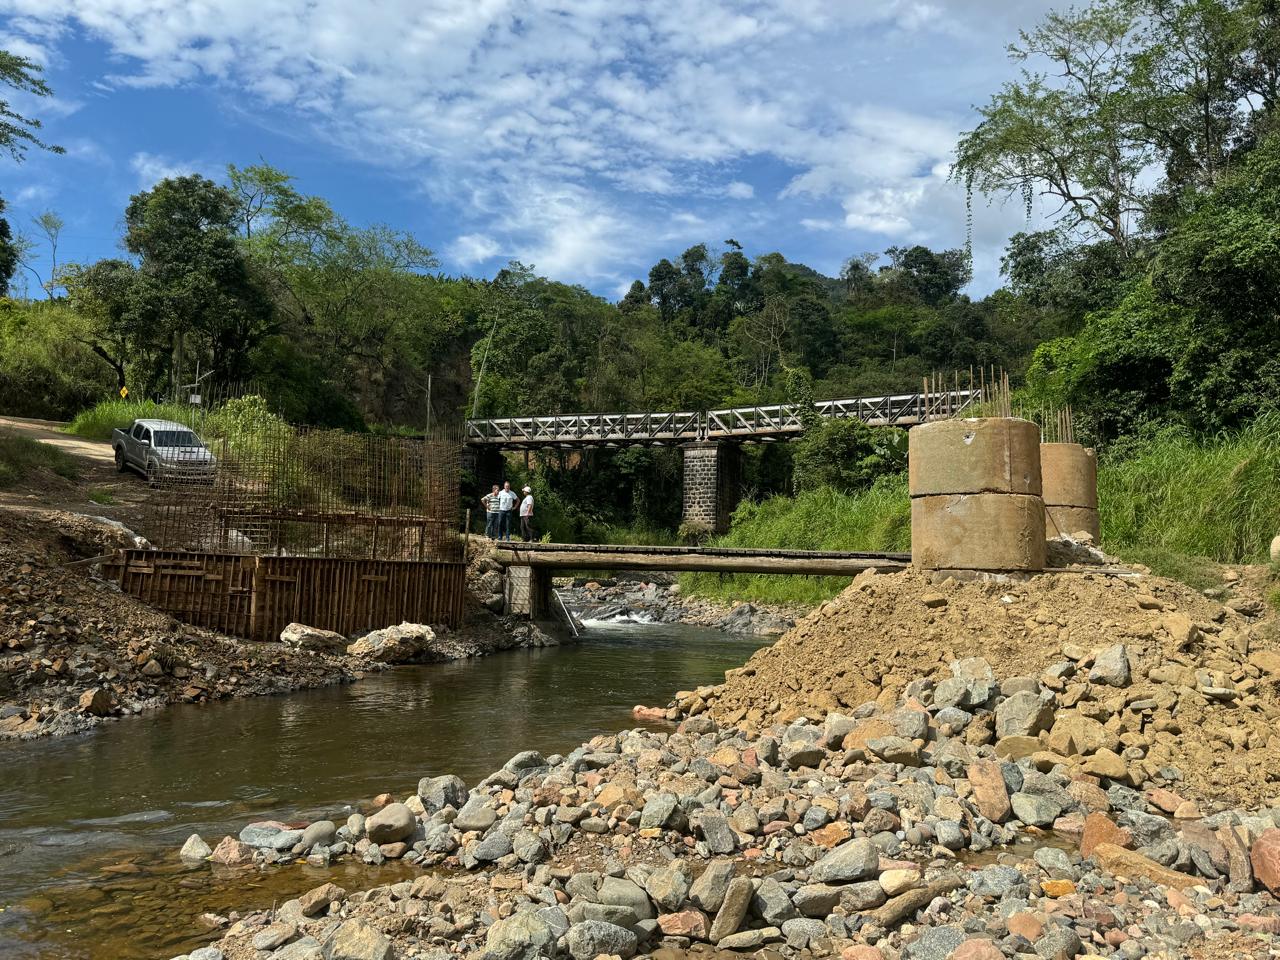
{"x":526,"y":515}
{"x":507,"y":501}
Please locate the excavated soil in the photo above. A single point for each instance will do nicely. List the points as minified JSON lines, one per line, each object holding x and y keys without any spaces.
{"x":1204,"y":695}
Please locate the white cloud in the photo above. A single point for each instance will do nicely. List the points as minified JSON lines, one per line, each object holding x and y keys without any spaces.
{"x":151,"y":168}
{"x":472,"y":248}
{"x":566,"y":132}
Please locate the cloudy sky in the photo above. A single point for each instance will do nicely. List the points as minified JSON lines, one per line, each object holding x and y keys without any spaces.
{"x":586,"y":137}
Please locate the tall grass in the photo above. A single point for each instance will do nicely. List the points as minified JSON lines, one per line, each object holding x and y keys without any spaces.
{"x":1177,"y":503}
{"x":1177,"y":496}
{"x":878,"y":519}
{"x":21,"y":458}
{"x":98,"y":421}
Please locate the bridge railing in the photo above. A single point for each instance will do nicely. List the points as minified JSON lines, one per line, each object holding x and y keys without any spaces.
{"x":588,"y":428}
{"x":764,"y":422}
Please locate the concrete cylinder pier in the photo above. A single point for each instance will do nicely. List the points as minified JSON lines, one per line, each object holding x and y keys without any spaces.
{"x":1070,"y":480}
{"x":975,"y":495}
{"x":1275,"y":550}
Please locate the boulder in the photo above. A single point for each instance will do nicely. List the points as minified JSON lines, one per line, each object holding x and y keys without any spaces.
{"x":1074,"y":733}
{"x":96,"y":702}
{"x":393,"y":822}
{"x":357,"y":940}
{"x":593,"y":938}
{"x":1099,"y":828}
{"x":476,"y":814}
{"x":317,"y":900}
{"x":1264,"y":856}
{"x":1022,"y":715}
{"x":1111,"y":666}
{"x":687,"y":923}
{"x":853,"y":860}
{"x":299,"y":636}
{"x":707,"y":892}
{"x":524,"y":936}
{"x":400,"y":644}
{"x":232,"y":852}
{"x":990,"y":794}
{"x":1132,"y":865}
{"x":733,"y":910}
{"x":436,"y":793}
{"x":194,"y":849}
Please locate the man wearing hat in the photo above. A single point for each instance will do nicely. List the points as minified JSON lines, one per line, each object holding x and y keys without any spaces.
{"x":526,"y":515}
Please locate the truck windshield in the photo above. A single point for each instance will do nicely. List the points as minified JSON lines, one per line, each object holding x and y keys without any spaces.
{"x":175,"y":438}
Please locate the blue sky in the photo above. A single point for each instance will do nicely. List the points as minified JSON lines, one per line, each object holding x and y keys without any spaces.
{"x":588,"y":138}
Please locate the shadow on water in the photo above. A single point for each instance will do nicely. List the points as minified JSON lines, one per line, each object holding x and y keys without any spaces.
{"x":90,"y":825}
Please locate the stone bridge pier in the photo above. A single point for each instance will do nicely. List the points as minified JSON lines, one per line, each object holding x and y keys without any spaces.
{"x":712,"y":484}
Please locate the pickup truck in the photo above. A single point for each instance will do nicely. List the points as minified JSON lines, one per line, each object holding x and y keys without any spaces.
{"x":164,"y":452}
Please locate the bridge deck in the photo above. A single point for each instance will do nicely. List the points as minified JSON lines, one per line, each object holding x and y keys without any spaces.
{"x":581,"y":556}
{"x":740,"y":424}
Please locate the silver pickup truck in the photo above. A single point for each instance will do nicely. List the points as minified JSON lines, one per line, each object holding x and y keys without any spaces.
{"x":164,"y":452}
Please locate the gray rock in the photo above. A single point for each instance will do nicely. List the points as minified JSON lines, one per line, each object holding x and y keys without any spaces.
{"x":524,"y":936}
{"x":1038,"y":811}
{"x":1058,"y":942}
{"x":851,"y":860}
{"x":1022,"y":715}
{"x":895,"y":750}
{"x":707,"y":892}
{"x":493,"y":847}
{"x":802,"y":753}
{"x":866,"y":895}
{"x":195,"y":848}
{"x":322,"y":831}
{"x":995,"y":881}
{"x":398,"y":644}
{"x":625,"y":893}
{"x":1111,"y":667}
{"x":935,"y":943}
{"x":800,"y":932}
{"x":287,"y":840}
{"x":818,"y":899}
{"x":949,"y":834}
{"x":772,"y":904}
{"x":206,"y":953}
{"x":436,"y":793}
{"x":591,"y":938}
{"x":393,"y":822}
{"x":301,"y":637}
{"x":749,"y":939}
{"x":528,"y":847}
{"x":716,"y":832}
{"x":662,"y":810}
{"x":669,"y":886}
{"x":1055,"y":862}
{"x":357,"y":940}
{"x":259,"y":834}
{"x":525,"y":760}
{"x":737,"y":900}
{"x":276,"y":935}
{"x":476,"y":814}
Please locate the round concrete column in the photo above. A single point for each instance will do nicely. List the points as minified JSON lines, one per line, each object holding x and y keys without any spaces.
{"x":1070,"y":476}
{"x":975,"y":495}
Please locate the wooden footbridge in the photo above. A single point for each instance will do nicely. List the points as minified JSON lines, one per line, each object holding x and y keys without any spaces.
{"x":529,"y":566}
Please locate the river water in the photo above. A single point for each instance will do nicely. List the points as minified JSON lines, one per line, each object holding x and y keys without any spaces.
{"x":90,"y":826}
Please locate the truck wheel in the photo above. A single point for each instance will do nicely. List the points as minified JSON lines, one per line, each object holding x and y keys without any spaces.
{"x":120,"y":464}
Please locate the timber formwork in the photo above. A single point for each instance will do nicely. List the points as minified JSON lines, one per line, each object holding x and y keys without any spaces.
{"x":256,"y":597}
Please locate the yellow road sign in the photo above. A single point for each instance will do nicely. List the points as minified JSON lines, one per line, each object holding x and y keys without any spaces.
{"x":124,"y":392}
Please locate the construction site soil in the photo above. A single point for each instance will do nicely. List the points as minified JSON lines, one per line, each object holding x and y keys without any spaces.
{"x":1201,"y":691}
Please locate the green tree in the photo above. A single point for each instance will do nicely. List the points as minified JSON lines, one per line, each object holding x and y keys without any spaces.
{"x":193,"y":280}
{"x":18,"y":133}
{"x":8,"y":252}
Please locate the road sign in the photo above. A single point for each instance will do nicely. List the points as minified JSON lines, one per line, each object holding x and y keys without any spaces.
{"x":124,"y":392}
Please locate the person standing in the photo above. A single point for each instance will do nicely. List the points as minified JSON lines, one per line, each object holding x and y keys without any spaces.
{"x":492,"y":516}
{"x":526,"y":516}
{"x":507,"y":500}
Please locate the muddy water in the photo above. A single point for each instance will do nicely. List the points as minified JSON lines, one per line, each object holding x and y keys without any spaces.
{"x":90,"y":826}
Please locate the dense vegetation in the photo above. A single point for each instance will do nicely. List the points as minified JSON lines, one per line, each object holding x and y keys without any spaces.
{"x":1147,"y":128}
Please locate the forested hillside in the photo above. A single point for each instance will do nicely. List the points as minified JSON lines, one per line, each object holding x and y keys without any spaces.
{"x":1143,"y":135}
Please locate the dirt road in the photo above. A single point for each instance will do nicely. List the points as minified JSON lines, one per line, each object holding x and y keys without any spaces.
{"x":50,"y":431}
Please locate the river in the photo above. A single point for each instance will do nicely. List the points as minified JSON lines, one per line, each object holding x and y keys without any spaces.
{"x":90,"y":825}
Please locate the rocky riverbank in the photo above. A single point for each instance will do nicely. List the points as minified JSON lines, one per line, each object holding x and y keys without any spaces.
{"x":75,"y":651}
{"x":659,"y":600}
{"x":905,"y":829}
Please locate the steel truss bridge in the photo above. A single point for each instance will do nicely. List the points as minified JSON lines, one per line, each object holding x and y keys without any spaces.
{"x":759,"y":424}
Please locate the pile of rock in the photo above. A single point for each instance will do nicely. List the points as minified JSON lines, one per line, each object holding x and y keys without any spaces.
{"x":915,"y":830}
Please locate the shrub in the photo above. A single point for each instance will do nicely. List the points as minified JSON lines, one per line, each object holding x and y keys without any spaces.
{"x":22,"y":458}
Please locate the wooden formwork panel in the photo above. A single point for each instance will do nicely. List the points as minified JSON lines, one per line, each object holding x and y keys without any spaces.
{"x":256,"y":597}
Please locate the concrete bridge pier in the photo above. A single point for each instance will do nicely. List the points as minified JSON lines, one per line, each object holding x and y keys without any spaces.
{"x":712,"y":484}
{"x":527,"y":592}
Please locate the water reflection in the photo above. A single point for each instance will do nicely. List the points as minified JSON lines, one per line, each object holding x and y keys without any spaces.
{"x":123,"y":798}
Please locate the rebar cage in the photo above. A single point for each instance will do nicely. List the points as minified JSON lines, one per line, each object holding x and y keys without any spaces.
{"x":304,"y":492}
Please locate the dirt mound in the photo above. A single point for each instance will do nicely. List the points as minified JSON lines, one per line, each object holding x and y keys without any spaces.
{"x":73,"y":649}
{"x":1203,"y":695}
